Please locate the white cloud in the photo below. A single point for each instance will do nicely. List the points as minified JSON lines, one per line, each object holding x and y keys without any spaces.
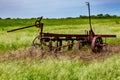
{"x":47,"y":4}
{"x":28,"y":8}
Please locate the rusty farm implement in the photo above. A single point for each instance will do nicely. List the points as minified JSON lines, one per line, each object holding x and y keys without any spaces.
{"x":54,"y":42}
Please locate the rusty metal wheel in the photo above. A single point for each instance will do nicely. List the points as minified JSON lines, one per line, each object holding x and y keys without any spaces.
{"x":97,"y":44}
{"x":38,"y":21}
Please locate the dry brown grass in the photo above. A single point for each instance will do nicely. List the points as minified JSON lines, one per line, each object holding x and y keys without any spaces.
{"x":85,"y":54}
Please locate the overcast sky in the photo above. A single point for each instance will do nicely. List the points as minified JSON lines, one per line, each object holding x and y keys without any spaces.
{"x":56,"y":8}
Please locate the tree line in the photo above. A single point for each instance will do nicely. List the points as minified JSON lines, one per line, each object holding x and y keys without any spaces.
{"x":98,"y":16}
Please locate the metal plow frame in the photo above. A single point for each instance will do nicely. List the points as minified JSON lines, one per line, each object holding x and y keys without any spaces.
{"x":47,"y":39}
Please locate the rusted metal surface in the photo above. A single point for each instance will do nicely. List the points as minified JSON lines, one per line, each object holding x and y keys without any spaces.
{"x":75,"y":35}
{"x":21,"y":28}
{"x":55,"y":41}
{"x":37,"y":24}
{"x":107,"y":35}
{"x":97,"y":44}
{"x":63,"y":35}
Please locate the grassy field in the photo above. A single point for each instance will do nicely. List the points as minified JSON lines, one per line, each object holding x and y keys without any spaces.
{"x":23,"y":38}
{"x":51,"y":68}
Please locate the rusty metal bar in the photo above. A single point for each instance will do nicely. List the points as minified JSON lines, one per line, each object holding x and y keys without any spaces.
{"x":20,"y":28}
{"x":89,"y":14}
{"x":107,"y":35}
{"x":63,"y":35}
{"x":63,"y":38}
{"x":74,"y":35}
{"x":37,"y":24}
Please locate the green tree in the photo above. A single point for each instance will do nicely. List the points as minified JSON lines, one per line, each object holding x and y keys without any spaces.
{"x":107,"y":16}
{"x":8,"y":18}
{"x":100,"y":15}
{"x":114,"y":16}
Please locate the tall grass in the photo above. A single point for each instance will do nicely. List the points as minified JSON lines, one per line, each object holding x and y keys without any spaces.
{"x":52,"y":69}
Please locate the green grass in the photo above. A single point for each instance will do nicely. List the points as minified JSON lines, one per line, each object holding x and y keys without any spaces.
{"x":54,"y":22}
{"x":52,"y":69}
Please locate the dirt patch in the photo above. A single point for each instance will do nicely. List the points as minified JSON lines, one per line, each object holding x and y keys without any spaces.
{"x":85,"y":54}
